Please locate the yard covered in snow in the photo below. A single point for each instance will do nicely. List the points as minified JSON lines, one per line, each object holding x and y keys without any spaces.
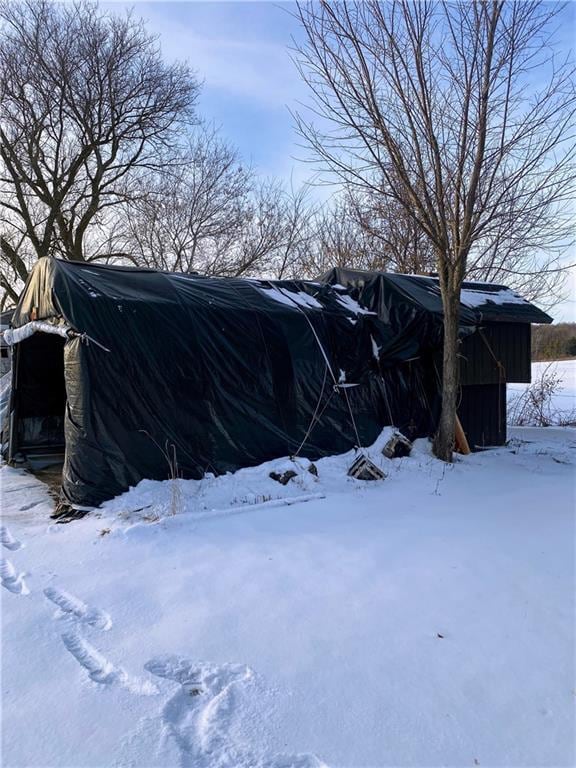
{"x":427,"y":619}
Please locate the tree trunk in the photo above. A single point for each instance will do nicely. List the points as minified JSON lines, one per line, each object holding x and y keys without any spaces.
{"x":444,"y":439}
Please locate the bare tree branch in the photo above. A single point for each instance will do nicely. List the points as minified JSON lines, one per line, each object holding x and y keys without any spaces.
{"x":86,"y":101}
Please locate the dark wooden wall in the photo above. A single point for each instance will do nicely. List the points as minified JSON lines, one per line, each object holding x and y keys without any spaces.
{"x":509,"y":343}
{"x":482,"y":412}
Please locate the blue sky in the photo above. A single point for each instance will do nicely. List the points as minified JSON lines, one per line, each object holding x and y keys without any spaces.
{"x":240,"y":50}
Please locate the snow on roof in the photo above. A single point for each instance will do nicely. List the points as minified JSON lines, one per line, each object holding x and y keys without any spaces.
{"x":472,"y":297}
{"x":284,"y":296}
{"x":302,"y":299}
{"x":352,"y":305}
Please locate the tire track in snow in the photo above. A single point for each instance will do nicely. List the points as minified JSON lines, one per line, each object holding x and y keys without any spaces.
{"x":199,"y":716}
{"x":11,"y":580}
{"x":71,"y":605}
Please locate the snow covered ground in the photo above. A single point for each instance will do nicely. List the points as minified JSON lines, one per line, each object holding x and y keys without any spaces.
{"x":561,"y":405}
{"x":424,"y":620}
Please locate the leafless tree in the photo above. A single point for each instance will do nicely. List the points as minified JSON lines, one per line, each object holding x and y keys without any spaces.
{"x":297,"y":232}
{"x":212,"y":215}
{"x":458,"y":112}
{"x":393,"y":233}
{"x":183,"y":218}
{"x":372,"y":231}
{"x":85,"y":101}
{"x":336,"y":239}
{"x":253,"y":249}
{"x":361,"y":231}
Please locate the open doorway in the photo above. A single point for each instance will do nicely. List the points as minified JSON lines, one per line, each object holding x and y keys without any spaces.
{"x":38,"y":400}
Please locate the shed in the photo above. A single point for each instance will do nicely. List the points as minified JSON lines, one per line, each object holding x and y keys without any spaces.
{"x":115,"y":364}
{"x":495,"y":338}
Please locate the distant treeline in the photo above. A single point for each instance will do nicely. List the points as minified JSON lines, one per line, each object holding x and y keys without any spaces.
{"x":553,"y":342}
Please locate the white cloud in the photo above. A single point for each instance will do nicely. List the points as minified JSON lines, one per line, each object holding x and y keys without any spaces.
{"x":254,"y":69}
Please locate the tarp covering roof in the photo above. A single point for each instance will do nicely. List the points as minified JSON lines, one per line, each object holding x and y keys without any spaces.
{"x":480,"y":302}
{"x":230,"y":372}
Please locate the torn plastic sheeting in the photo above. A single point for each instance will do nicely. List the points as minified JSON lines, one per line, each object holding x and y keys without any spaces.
{"x":16,"y":335}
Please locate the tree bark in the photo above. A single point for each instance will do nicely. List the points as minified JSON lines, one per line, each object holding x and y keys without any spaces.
{"x":444,"y":438}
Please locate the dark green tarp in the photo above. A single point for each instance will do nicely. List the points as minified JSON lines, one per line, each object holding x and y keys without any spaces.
{"x":228,"y":371}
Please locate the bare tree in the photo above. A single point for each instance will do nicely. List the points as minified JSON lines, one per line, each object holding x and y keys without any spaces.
{"x":337,"y":239}
{"x":86,"y":100}
{"x":460,"y":113}
{"x":402,"y":243}
{"x":183,"y":218}
{"x":297,"y":232}
{"x":211,"y":214}
{"x":275,"y":232}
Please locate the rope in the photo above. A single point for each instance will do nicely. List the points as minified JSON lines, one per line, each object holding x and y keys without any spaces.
{"x":85,"y":339}
{"x":307,"y":434}
{"x":501,"y":368}
{"x":352,"y":418}
{"x":386,"y":400}
{"x":299,"y":308}
{"x":315,"y":417}
{"x":337,"y":387}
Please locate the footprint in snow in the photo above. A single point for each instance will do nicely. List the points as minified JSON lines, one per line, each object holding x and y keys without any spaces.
{"x":73,"y":606}
{"x":7,"y":540}
{"x":100,"y":669}
{"x":26,"y":507}
{"x":199,"y":716}
{"x":292,"y":761}
{"x":12,"y":581}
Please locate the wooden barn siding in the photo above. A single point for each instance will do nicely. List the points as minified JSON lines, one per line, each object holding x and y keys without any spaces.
{"x":482,"y":412}
{"x":510,"y":343}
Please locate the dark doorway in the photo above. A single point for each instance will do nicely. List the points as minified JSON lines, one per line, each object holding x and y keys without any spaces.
{"x":39,"y":396}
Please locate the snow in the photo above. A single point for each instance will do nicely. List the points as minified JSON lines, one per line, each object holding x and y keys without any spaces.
{"x":352,"y":305}
{"x":472,"y":297}
{"x":291,"y":297}
{"x":5,"y":387}
{"x":375,"y":349}
{"x":423,"y":620}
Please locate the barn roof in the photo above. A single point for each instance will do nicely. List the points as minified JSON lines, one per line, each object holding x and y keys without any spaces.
{"x":480,"y":302}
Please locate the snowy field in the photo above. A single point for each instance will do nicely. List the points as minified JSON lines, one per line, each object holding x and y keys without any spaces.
{"x":561,"y":405}
{"x":424,"y":620}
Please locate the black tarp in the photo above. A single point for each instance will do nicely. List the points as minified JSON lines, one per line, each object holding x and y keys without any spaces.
{"x":385,"y":292}
{"x":228,"y":371}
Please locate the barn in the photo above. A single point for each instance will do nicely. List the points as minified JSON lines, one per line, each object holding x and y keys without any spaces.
{"x":126,"y":372}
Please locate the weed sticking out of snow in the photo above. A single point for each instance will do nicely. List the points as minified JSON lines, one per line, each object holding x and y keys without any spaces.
{"x":550,"y":400}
